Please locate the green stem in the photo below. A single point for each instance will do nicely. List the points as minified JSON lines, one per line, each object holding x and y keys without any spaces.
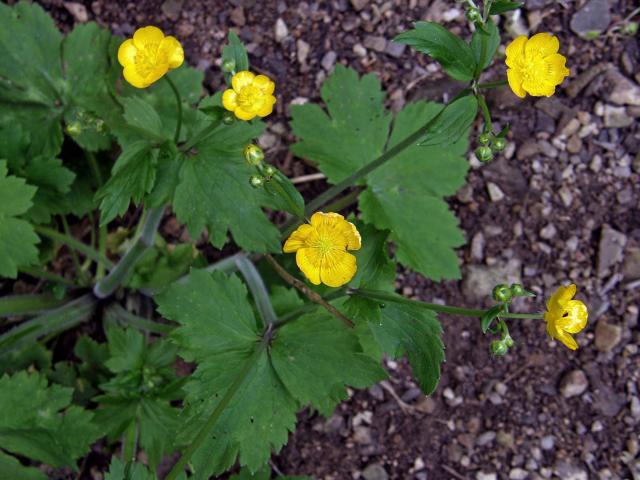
{"x":73,"y":244}
{"x":488,"y":126}
{"x":95,"y":169}
{"x":307,"y":307}
{"x":82,"y":277}
{"x":129,"y":442}
{"x":497,"y":84}
{"x":28,"y":304}
{"x":118,"y":313}
{"x":205,"y":431}
{"x":118,"y":275}
{"x":288,"y":199}
{"x":43,"y":274}
{"x":102,"y":229}
{"x":463,"y":312}
{"x":258,"y":289}
{"x":176,"y":93}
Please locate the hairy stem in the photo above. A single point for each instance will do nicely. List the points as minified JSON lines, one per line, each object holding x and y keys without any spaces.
{"x":11,"y":305}
{"x":497,"y":84}
{"x":310,"y":294}
{"x":118,"y":275}
{"x":176,"y":93}
{"x":488,"y":126}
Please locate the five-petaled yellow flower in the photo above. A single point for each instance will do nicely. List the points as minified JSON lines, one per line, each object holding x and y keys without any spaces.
{"x":148,"y":56}
{"x":251,"y":95}
{"x":565,"y":316}
{"x":321,"y":249}
{"x":535,"y":66}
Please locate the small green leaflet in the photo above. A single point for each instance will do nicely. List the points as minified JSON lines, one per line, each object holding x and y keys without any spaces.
{"x":32,"y":422}
{"x":236,"y":52}
{"x":17,"y":238}
{"x":12,"y":468}
{"x":218,"y":327}
{"x":448,"y":49}
{"x":452,"y":123}
{"x":492,"y":39}
{"x":117,"y":471}
{"x":501,"y":6}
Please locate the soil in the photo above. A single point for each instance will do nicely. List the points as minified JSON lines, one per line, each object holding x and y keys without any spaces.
{"x":567,"y":180}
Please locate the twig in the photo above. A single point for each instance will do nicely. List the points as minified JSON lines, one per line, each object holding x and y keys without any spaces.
{"x":308,"y":178}
{"x":405,"y":407}
{"x":310,"y":294}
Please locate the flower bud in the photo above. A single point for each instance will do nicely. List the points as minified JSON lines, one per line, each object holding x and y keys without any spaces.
{"x":269,"y":171}
{"x":484,"y":154}
{"x":499,"y":348}
{"x":473,"y":14}
{"x":630,"y":28}
{"x":256,"y":181}
{"x":502,"y":293}
{"x":228,"y":118}
{"x":484,"y":139}
{"x":253,"y":154}
{"x":517,"y":290}
{"x":228,"y":65}
{"x":498,"y":144}
{"x":74,"y":129}
{"x":508,"y":341}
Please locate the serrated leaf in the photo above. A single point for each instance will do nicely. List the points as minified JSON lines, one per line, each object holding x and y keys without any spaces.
{"x":214,"y":192}
{"x":53,"y":181}
{"x":283,"y":195}
{"x":32,"y":424}
{"x":235,"y":51}
{"x":501,"y":6}
{"x":118,"y":471}
{"x":218,"y":327}
{"x":375,"y":269}
{"x":418,"y":177}
{"x":12,"y":468}
{"x":143,"y":118}
{"x":452,"y":123}
{"x":354,"y":131}
{"x":492,"y":39}
{"x":448,"y":49}
{"x":17,"y":237}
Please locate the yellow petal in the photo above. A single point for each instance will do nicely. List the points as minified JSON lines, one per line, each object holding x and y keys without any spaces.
{"x":300,"y":238}
{"x":132,"y":76}
{"x":243,"y":114}
{"x":541,"y":44}
{"x":568,"y":341}
{"x":577,"y":316}
{"x":338,"y":268}
{"x":515,"y":51}
{"x":171,"y":49}
{"x":241,"y":80}
{"x":556,"y":70}
{"x":309,"y":260}
{"x":156,"y":74}
{"x":561,"y":296}
{"x":515,"y":82}
{"x":351,"y":235}
{"x":265,"y":84}
{"x":230,"y":99}
{"x":537,"y":87}
{"x":127,"y":53}
{"x":320,"y":219}
{"x":147,"y":36}
{"x":267,"y":108}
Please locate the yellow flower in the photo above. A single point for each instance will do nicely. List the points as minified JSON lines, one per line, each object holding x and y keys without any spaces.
{"x":251,"y":95}
{"x":321,"y":249}
{"x":565,"y":316}
{"x":148,"y":56}
{"x":535,"y":66}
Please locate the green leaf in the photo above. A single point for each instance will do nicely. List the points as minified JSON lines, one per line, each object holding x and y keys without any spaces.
{"x":33,"y":424}
{"x":53,"y":181}
{"x":140,"y":115}
{"x":492,"y":39}
{"x":12,"y":468}
{"x":448,"y":49}
{"x":375,"y":269}
{"x":133,"y":176}
{"x":17,"y":238}
{"x":283,"y":195}
{"x":418,"y":178}
{"x":416,"y":332}
{"x":501,"y":6}
{"x":452,"y":123}
{"x":118,"y":471}
{"x":236,"y":52}
{"x":214,"y":192}
{"x":302,"y":365}
{"x":354,"y":131}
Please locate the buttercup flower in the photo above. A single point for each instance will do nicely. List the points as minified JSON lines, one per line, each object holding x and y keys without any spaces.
{"x":565,"y":316}
{"x":321,"y":249}
{"x":148,"y":56}
{"x":535,"y":66}
{"x":251,"y":95}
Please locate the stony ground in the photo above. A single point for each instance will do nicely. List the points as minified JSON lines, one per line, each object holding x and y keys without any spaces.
{"x":560,"y":206}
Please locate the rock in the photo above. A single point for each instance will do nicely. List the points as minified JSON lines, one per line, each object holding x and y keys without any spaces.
{"x":548,"y":232}
{"x":548,"y":442}
{"x":505,"y":439}
{"x":610,"y":250}
{"x":359,"y":4}
{"x":171,"y":8}
{"x":635,"y":407}
{"x":591,"y":19}
{"x":359,"y":50}
{"x":373,"y":42}
{"x":303,"y":51}
{"x":329,"y":60}
{"x":477,"y":246}
{"x":566,"y":471}
{"x":334,"y":424}
{"x":624,"y":91}
{"x":185,"y":29}
{"x":527,"y":149}
{"x":631,"y":265}
{"x":281,"y":30}
{"x":608,"y":336}
{"x":573,"y":384}
{"x":78,"y":11}
{"x":518,"y":474}
{"x":395,"y":49}
{"x":486,"y":476}
{"x":485,"y":438}
{"x":375,"y":471}
{"x":616,"y":117}
{"x":480,"y":279}
{"x":574,"y":145}
{"x":495,"y":193}
{"x":237,"y":16}
{"x":362,"y":435}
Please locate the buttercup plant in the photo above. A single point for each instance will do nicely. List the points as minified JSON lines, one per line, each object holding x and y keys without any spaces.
{"x":264,"y":333}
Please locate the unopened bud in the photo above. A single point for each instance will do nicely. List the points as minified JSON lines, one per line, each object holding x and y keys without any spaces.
{"x":473,"y":14}
{"x":269,"y":171}
{"x":499,"y":348}
{"x":501,"y":293}
{"x":498,"y":144}
{"x":484,"y":139}
{"x":229,"y":66}
{"x":253,"y":154}
{"x":74,"y":129}
{"x":256,"y":181}
{"x":484,"y":154}
{"x":508,"y":341}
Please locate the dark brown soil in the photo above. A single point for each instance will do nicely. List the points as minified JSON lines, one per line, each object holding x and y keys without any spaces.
{"x":504,"y":417}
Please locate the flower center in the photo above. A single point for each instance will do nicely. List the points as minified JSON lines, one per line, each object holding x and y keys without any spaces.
{"x":325,"y":245}
{"x":532,"y":67}
{"x":148,"y":58}
{"x":250,"y":98}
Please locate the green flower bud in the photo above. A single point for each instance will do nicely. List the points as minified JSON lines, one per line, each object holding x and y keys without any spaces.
{"x":256,"y":181}
{"x":473,"y":14}
{"x":508,"y":341}
{"x":517,"y":290}
{"x":228,"y":66}
{"x":498,"y":144}
{"x":484,"y":139}
{"x":631,"y":28}
{"x":484,"y":154}
{"x":502,"y":293}
{"x":228,"y":118}
{"x":269,"y":170}
{"x":499,"y":348}
{"x":74,"y":129}
{"x":253,"y":154}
